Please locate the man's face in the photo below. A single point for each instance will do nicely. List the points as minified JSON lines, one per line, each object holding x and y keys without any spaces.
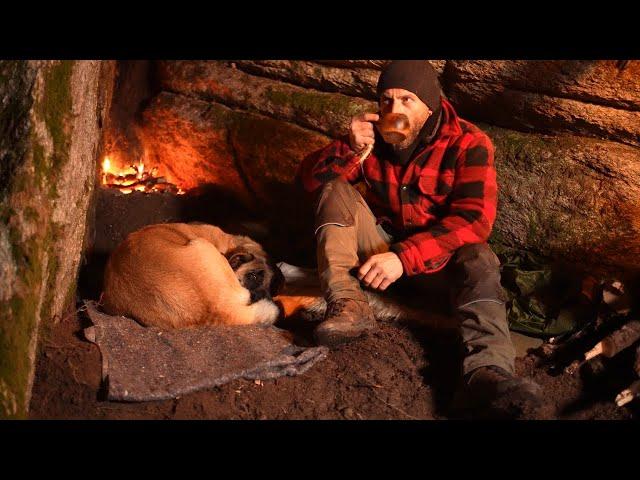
{"x":398,"y":100}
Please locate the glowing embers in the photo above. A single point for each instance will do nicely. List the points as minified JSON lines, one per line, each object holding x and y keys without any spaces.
{"x":135,"y":178}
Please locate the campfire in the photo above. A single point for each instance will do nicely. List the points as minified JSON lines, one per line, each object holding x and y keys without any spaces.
{"x":136,"y":178}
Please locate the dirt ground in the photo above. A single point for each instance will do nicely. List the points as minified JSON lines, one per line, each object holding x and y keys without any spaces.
{"x":394,"y":373}
{"x":397,"y":372}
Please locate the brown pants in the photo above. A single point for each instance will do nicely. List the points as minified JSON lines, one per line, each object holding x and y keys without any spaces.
{"x":347,"y":235}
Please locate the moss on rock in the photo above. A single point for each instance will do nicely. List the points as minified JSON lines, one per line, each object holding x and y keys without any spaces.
{"x":26,"y":212}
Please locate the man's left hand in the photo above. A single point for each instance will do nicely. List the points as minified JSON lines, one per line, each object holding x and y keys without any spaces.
{"x":380,"y":270}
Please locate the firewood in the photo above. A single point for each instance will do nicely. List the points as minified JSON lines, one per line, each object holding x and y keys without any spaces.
{"x":628,"y":394}
{"x":614,"y":343}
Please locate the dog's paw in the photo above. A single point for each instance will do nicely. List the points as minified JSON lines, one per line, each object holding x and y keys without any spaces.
{"x":267,"y":312}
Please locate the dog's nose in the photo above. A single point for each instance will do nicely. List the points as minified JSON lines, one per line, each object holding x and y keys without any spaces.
{"x":255,"y":278}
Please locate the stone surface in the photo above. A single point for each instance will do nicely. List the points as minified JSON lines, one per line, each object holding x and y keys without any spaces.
{"x":326,"y":113}
{"x":356,"y":81}
{"x":349,"y":81}
{"x":597,"y":81}
{"x":53,"y":121}
{"x":588,"y":98}
{"x":198,"y":142}
{"x":573,"y":198}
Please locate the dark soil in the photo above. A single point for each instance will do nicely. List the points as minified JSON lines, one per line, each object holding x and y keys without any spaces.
{"x":396,"y":372}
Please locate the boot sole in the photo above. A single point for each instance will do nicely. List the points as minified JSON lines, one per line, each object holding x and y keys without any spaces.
{"x":332,"y":339}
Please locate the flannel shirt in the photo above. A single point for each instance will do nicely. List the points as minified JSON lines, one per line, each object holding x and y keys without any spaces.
{"x":444,"y":197}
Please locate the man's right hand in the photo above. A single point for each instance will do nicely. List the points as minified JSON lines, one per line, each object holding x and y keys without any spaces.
{"x":361,"y":131}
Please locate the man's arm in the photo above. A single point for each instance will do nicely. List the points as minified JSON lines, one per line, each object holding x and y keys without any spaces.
{"x":339,"y":159}
{"x":471,"y":214}
{"x":335,"y":160}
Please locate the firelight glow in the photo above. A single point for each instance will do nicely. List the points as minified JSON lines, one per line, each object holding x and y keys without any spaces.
{"x":135,"y":178}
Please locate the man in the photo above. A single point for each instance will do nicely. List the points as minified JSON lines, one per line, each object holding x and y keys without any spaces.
{"x":429,"y":209}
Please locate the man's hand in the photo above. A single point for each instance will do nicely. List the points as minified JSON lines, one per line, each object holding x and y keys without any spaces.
{"x":361,"y":131}
{"x":380,"y":270}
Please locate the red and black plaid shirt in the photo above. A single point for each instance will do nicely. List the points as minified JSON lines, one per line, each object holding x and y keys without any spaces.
{"x":443,"y":198}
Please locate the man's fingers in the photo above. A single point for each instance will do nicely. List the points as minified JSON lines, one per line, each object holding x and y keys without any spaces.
{"x":364,"y":269}
{"x":385,"y":283}
{"x":363,"y":128}
{"x":370,"y":117}
{"x":378,"y":281}
{"x":371,"y":275}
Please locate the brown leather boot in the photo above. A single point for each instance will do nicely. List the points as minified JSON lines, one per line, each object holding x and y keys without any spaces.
{"x":344,"y":320}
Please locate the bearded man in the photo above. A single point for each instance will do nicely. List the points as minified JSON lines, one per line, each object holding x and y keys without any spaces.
{"x":429,"y":208}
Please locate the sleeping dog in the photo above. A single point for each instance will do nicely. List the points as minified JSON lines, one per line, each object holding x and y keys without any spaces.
{"x":180,"y":275}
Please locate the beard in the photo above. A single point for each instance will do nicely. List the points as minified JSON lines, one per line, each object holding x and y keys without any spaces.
{"x":414,"y":131}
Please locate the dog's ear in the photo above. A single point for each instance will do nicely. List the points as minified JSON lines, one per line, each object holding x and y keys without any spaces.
{"x":239,"y":258}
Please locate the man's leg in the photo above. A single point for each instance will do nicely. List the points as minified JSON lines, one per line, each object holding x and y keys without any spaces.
{"x":347,"y":235}
{"x":478,"y":300}
{"x":479,"y":303}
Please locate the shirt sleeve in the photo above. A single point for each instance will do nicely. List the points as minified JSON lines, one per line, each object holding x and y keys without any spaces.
{"x":335,"y":160}
{"x":470,"y":217}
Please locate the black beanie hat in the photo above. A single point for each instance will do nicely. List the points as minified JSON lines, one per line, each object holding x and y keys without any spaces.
{"x":416,"y":76}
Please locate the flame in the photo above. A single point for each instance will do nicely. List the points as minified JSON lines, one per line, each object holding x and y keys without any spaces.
{"x":134,"y":178}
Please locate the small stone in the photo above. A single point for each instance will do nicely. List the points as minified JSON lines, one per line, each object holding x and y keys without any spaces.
{"x":349,"y":413}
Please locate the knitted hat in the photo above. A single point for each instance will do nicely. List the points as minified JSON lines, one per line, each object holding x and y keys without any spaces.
{"x":416,"y":76}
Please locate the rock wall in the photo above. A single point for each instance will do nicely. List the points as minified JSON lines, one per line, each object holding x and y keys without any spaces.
{"x":51,"y":117}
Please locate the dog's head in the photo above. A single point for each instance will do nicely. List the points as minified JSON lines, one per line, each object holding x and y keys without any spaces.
{"x":255,"y":270}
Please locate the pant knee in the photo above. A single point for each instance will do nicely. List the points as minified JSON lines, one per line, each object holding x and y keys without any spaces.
{"x":477,"y":274}
{"x":338,"y":189}
{"x":337,"y":204}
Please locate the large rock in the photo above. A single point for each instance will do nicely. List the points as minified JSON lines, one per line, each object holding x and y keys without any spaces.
{"x":352,"y":80}
{"x":586,"y":98}
{"x":355,"y":81}
{"x":327,"y":113}
{"x":597,"y":81}
{"x":51,"y":114}
{"x":251,"y":155}
{"x":188,"y":140}
{"x":574,"y":199}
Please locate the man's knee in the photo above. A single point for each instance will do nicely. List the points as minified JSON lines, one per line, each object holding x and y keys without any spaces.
{"x":478,"y":259}
{"x":337,"y":203}
{"x":339,"y":189}
{"x":478,"y":273}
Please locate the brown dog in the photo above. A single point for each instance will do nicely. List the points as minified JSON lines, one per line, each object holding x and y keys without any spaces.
{"x":180,"y":275}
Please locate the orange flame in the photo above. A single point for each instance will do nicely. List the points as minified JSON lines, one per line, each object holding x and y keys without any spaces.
{"x":134,"y":176}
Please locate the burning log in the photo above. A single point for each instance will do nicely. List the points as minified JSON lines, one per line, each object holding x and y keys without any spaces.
{"x":613,"y":344}
{"x":135,"y":178}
